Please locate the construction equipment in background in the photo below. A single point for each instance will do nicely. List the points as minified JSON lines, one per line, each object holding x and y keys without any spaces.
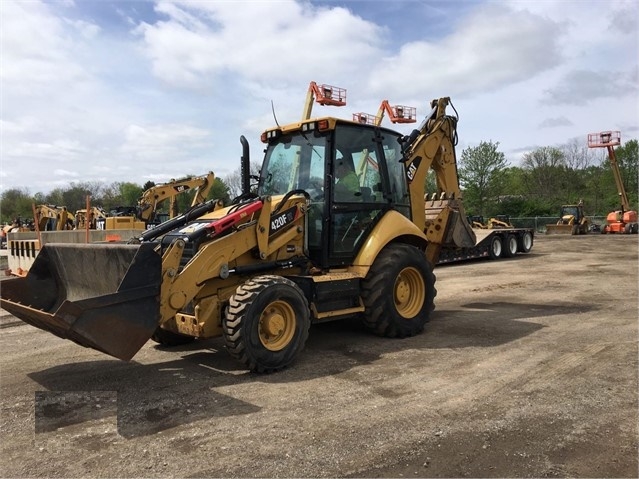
{"x":497,"y":238}
{"x":623,"y":220}
{"x":326,"y":95}
{"x":153,"y":197}
{"x":396,"y":114}
{"x":572,"y":221}
{"x":260,"y":271}
{"x":52,"y":218}
{"x":498,"y":221}
{"x":97,"y":218}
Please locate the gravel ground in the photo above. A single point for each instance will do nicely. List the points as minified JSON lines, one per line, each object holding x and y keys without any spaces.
{"x":527,"y":369}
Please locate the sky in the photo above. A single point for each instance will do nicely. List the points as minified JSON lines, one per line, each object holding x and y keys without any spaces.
{"x":135,"y":91}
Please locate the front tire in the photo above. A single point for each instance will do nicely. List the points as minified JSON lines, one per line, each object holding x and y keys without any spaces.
{"x":398,"y":292}
{"x":267,"y":323}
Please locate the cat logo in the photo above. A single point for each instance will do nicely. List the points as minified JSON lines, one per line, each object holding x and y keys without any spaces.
{"x":412,"y":169}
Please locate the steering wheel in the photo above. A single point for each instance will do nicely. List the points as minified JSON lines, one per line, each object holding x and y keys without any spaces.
{"x":316,"y":194}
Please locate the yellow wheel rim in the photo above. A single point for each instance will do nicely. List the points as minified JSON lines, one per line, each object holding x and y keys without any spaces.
{"x":409,"y":292}
{"x":277,"y":325}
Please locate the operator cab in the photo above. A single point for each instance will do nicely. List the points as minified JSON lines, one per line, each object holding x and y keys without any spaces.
{"x":352,"y":173}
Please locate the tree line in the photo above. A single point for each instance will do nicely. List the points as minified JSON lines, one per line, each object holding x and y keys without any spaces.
{"x":547,"y":178}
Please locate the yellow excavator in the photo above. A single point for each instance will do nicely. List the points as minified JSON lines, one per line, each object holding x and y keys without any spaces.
{"x":153,"y":197}
{"x":286,"y":254}
{"x":96,"y":219}
{"x":52,"y":218}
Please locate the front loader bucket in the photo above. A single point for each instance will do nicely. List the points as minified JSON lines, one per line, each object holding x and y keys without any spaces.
{"x":102,"y":296}
{"x":559,"y":229}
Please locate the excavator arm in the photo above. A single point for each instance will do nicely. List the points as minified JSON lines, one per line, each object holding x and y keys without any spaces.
{"x":44,"y":213}
{"x":154,"y":196}
{"x":441,"y":216}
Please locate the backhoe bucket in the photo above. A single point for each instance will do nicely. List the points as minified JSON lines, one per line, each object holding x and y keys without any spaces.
{"x":559,"y":229}
{"x":102,"y":296}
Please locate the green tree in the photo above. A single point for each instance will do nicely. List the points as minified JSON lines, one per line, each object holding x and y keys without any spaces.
{"x":481,"y":175}
{"x":220,"y":191}
{"x":129,"y":193}
{"x":545,"y":176}
{"x":15,"y":203}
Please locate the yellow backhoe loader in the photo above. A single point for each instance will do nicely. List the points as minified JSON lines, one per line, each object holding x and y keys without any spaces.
{"x":259,"y":272}
{"x":572,"y":221}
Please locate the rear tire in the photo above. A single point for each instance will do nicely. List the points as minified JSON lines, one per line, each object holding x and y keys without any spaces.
{"x":495,"y":248}
{"x":398,"y":292}
{"x":511,"y":246}
{"x":267,"y":323}
{"x":525,"y":242}
{"x":169,"y":338}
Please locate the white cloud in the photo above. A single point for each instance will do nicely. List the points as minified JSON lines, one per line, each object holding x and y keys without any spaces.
{"x":492,"y":48}
{"x":268,"y":42}
{"x":167,"y":93}
{"x":553,"y":122}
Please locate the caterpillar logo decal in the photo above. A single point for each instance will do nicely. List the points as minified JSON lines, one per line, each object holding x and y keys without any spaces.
{"x":282,"y":219}
{"x":412,"y":168}
{"x":181,"y":188}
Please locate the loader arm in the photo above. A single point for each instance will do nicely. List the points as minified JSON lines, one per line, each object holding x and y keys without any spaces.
{"x":442,"y":215}
{"x":258,"y":230}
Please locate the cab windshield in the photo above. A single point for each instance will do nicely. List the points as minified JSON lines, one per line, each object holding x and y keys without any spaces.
{"x":293,"y":162}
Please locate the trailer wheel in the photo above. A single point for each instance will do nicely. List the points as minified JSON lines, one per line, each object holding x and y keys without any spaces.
{"x":525,"y":242}
{"x":267,"y":323}
{"x":511,"y":246}
{"x":495,"y":248}
{"x":398,"y":292}
{"x":169,"y":338}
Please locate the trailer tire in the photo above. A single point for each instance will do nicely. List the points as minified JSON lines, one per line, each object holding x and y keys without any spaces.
{"x":266,"y":323}
{"x":169,"y":338}
{"x":525,"y":242}
{"x":511,"y":246}
{"x":496,"y":248}
{"x":398,"y":292}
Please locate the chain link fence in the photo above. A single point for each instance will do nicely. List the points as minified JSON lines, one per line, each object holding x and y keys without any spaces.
{"x":539,"y":222}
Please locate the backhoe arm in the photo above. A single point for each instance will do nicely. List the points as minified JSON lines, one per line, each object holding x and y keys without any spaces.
{"x":442,"y":215}
{"x":154,"y":196}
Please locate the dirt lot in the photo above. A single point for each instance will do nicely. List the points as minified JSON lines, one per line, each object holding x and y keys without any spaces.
{"x":528,"y":369}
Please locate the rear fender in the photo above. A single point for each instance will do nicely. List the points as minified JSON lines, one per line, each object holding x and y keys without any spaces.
{"x":392,"y":227}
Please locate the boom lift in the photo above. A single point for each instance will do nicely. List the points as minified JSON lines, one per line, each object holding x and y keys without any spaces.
{"x":396,"y":114}
{"x":154,"y":196}
{"x":324,"y":95}
{"x":625,"y":219}
{"x":260,"y":271}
